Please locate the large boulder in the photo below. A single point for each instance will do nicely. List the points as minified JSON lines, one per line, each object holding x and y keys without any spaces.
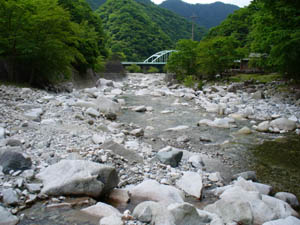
{"x":6,"y":218}
{"x":288,"y":197}
{"x":10,"y":196}
{"x":185,"y":213}
{"x":106,"y":105}
{"x":111,"y":220}
{"x":279,"y":207}
{"x":101,"y":210}
{"x":78,"y":177}
{"x":283,"y":124}
{"x":263,"y":126}
{"x":191,"y":183}
{"x":11,"y":160}
{"x":287,"y":221}
{"x":151,"y":190}
{"x":230,"y":211}
{"x":169,"y":156}
{"x":153,"y":213}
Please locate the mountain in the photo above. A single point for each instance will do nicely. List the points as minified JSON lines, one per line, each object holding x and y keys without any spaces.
{"x":208,"y":15}
{"x":95,"y":3}
{"x":139,"y":28}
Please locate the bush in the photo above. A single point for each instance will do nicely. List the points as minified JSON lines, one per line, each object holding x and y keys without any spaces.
{"x":134,"y":68}
{"x":189,"y":81}
{"x":153,"y":70}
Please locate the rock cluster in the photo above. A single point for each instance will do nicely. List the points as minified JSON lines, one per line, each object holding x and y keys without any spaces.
{"x":72,"y":144}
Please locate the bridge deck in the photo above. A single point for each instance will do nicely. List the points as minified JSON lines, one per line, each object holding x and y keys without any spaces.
{"x":144,"y":63}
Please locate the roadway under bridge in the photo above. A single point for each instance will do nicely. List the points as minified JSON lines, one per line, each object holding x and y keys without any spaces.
{"x":157,"y":60}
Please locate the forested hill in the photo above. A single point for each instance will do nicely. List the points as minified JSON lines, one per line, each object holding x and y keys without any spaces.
{"x":140,"y":28}
{"x":208,"y":15}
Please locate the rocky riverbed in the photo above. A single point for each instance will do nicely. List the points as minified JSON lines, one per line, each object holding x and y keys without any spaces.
{"x":142,"y":151}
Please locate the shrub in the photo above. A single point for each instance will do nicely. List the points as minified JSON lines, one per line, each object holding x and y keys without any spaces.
{"x":153,"y":70}
{"x":134,"y":68}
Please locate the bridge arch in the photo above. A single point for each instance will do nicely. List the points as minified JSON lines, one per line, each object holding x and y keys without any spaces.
{"x":159,"y":57}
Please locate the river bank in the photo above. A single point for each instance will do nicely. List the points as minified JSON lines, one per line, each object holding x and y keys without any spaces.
{"x":142,"y":128}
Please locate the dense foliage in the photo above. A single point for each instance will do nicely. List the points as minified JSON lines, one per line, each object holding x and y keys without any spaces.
{"x":270,"y":29}
{"x":140,"y":28}
{"x":41,"y":41}
{"x":208,"y":15}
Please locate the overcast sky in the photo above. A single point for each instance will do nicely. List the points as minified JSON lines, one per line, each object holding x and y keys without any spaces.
{"x":240,"y":3}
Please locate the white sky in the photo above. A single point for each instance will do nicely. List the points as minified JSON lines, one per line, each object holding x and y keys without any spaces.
{"x":240,"y":3}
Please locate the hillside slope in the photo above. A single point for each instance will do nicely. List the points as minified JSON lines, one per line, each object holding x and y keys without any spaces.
{"x":140,"y":28}
{"x":208,"y":15}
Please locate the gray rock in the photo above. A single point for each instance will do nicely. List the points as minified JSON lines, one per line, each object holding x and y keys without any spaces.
{"x":85,"y":104}
{"x":248,"y":175}
{"x":34,"y":114}
{"x":151,"y":190}
{"x":258,"y":95}
{"x":137,"y":132}
{"x":92,"y":112}
{"x":10,"y":196}
{"x":101,"y":210}
{"x":119,"y":196}
{"x":105,"y":105}
{"x":141,"y":108}
{"x":110,"y":116}
{"x":11,"y":160}
{"x":98,"y":139}
{"x":34,"y":188}
{"x":169,"y":156}
{"x":13,"y":142}
{"x":263,"y":188}
{"x":111,"y":220}
{"x":231,"y":211}
{"x":291,"y":220}
{"x":288,"y":197}
{"x":2,"y":133}
{"x":103,"y":82}
{"x":191,"y":183}
{"x":178,"y":128}
{"x":183,"y":139}
{"x":263,"y":126}
{"x":153,"y":213}
{"x":185,"y":213}
{"x":279,"y":207}
{"x":196,"y":161}
{"x":6,"y":218}
{"x":283,"y":124}
{"x":118,"y":149}
{"x":78,"y":177}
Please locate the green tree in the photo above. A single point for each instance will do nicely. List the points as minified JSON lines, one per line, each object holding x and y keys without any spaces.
{"x":216,"y":55}
{"x":92,"y":38}
{"x":276,"y":31}
{"x":184,"y":61}
{"x":37,"y":40}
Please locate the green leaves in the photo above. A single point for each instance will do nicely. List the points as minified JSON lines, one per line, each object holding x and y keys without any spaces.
{"x":41,"y":41}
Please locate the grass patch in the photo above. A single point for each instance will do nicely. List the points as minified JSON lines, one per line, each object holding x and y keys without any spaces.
{"x":15,"y":84}
{"x":255,"y":77}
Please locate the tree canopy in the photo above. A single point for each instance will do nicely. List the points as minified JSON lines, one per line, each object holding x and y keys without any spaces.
{"x":42,"y":40}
